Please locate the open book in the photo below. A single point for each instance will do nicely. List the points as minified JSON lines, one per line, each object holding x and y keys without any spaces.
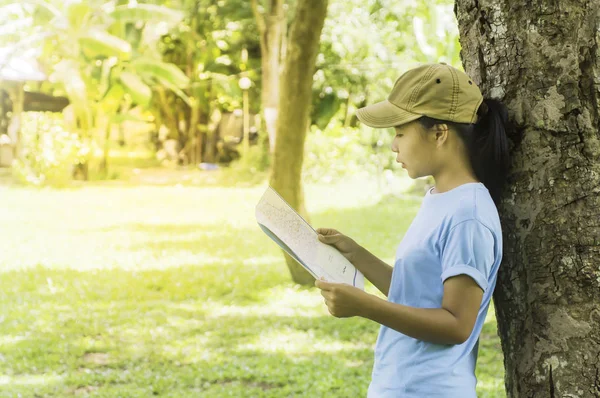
{"x":294,"y":235}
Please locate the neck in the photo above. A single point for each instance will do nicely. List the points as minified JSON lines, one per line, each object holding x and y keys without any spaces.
{"x":451,"y":178}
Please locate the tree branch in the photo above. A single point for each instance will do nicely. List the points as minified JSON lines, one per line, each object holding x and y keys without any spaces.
{"x":260,"y":22}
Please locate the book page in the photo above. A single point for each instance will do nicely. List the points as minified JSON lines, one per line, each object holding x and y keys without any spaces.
{"x":292,"y":233}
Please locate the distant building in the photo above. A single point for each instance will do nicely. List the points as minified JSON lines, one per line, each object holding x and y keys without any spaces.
{"x":17,"y":67}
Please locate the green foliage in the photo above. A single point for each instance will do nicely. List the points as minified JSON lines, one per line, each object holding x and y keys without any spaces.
{"x":339,"y":151}
{"x":89,"y":50}
{"x":98,"y":43}
{"x":209,"y":43}
{"x":366,"y":45}
{"x":147,"y":12}
{"x":161,"y":70}
{"x":178,"y":57}
{"x":49,"y":151}
{"x":251,"y":168}
{"x":139,"y":91}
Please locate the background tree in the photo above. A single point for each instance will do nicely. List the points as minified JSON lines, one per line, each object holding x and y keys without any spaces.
{"x":88,"y":49}
{"x":361,"y":58}
{"x":541,"y":61}
{"x":208,"y":47}
{"x":272,"y":26}
{"x":294,"y":108}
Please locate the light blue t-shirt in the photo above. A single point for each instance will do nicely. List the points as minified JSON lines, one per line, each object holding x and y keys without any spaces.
{"x":454,"y":232}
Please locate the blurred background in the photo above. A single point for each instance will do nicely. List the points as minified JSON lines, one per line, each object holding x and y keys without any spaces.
{"x":136,"y":138}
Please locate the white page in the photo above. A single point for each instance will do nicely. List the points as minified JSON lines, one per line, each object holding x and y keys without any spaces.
{"x":293,"y":234}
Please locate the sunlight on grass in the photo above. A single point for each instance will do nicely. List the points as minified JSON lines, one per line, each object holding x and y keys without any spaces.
{"x":175,"y":291}
{"x":8,"y":340}
{"x":299,"y":343}
{"x":288,"y":301}
{"x":29,"y":379}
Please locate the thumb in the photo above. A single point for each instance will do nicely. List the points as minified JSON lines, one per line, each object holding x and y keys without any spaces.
{"x":328,"y":238}
{"x":322,"y":284}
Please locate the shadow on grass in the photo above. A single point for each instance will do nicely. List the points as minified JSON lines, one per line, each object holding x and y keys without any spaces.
{"x":174,"y":345}
{"x":231,"y":324}
{"x":379,"y":228}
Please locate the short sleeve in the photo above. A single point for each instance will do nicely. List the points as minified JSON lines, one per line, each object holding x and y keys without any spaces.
{"x":468,"y":249}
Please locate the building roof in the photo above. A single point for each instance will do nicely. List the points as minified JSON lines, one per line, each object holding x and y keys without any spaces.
{"x":19,"y":66}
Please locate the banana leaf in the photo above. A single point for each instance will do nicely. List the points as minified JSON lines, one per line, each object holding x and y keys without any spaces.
{"x":135,"y":86}
{"x":99,"y":43}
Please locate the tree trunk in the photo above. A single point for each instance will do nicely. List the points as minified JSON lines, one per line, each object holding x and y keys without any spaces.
{"x":294,"y":107}
{"x":212,"y":137}
{"x":540,"y":59}
{"x":167,"y":110}
{"x":271,"y":29}
{"x":5,"y":108}
{"x":104,"y":163}
{"x":192,"y":134}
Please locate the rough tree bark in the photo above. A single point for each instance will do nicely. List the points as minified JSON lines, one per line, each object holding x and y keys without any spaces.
{"x":541,"y":59}
{"x":271,"y":27}
{"x":294,"y":106}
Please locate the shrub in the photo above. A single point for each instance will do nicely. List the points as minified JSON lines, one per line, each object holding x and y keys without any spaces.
{"x":339,"y":151}
{"x":49,"y":151}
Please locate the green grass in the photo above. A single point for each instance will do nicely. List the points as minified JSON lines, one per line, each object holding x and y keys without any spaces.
{"x":174,"y":291}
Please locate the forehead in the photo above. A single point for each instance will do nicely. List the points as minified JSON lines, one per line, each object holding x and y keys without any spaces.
{"x":408,"y":127}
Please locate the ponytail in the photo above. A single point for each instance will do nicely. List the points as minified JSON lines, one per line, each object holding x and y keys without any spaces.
{"x":489,"y":150}
{"x":486,"y":142}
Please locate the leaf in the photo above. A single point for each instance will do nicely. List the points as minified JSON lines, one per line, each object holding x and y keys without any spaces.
{"x":139,"y":91}
{"x":147,"y":12}
{"x":12,"y":26}
{"x":113,"y":99}
{"x":67,"y":71}
{"x":161,"y":71}
{"x":100,"y":43}
{"x":13,"y":6}
{"x":176,"y":90}
{"x":78,"y":14}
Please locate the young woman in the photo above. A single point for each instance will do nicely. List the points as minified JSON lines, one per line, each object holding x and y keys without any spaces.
{"x":445,"y":269}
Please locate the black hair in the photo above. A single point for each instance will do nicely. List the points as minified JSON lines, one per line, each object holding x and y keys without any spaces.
{"x":486,"y":142}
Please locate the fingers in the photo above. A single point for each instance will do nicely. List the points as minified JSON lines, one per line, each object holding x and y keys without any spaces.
{"x":328,"y":235}
{"x":329,"y":238}
{"x":328,"y":295}
{"x":331,"y":307}
{"x":327,"y":231}
{"x":328,"y":299}
{"x":323,"y":284}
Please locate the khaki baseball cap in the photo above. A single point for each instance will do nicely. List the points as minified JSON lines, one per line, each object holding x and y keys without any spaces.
{"x":436,"y":90}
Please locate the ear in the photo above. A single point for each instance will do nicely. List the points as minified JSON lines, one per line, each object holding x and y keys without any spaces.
{"x":440,"y":133}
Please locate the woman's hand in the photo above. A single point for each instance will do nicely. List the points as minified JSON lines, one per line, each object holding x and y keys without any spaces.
{"x":343,"y":300}
{"x":344,"y":244}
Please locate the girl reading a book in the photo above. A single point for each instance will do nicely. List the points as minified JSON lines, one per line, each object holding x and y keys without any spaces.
{"x":440,"y":287}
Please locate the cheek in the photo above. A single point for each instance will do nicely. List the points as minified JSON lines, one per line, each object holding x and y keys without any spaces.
{"x":410,"y":153}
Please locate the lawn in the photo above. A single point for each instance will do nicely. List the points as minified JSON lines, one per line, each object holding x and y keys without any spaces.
{"x":174,"y":291}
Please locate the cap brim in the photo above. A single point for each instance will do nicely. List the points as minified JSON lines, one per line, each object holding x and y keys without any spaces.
{"x":385,"y":114}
